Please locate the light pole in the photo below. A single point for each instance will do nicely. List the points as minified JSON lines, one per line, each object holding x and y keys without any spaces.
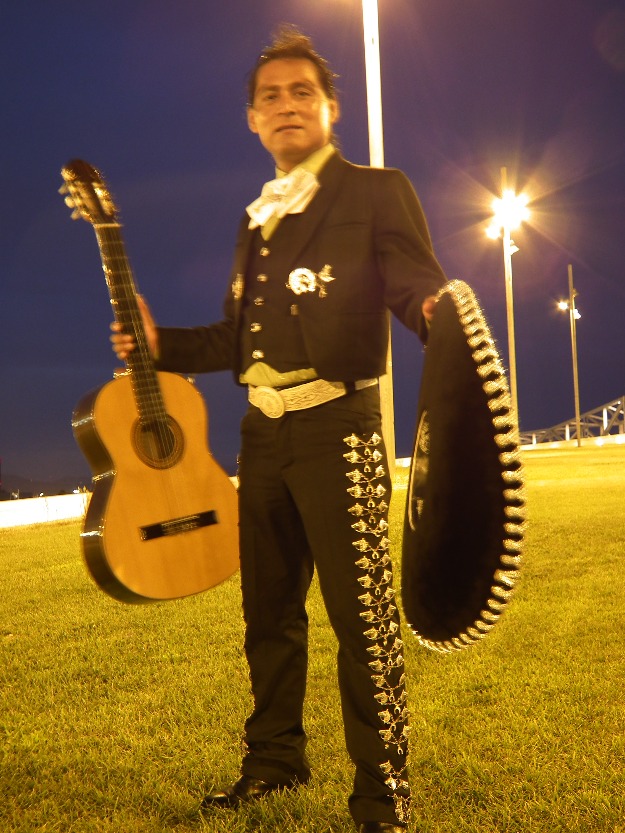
{"x":509,"y":211}
{"x":573,"y":316}
{"x":376,"y":160}
{"x":373,"y":82}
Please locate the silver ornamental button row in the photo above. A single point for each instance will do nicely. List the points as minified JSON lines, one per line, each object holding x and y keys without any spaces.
{"x":269,"y":401}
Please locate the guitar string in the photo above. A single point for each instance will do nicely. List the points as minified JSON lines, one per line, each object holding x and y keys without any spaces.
{"x":143,"y":375}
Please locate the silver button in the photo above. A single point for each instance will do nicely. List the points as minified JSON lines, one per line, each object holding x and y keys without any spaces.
{"x":259,"y":302}
{"x":258,"y":354}
{"x":262,"y":278}
{"x":255,"y":327}
{"x":264,"y":252}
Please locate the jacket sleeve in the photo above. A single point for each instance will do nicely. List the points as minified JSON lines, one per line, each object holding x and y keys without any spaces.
{"x":404,"y":253}
{"x":198,"y":349}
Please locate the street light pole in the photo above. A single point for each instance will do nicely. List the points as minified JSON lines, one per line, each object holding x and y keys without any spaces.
{"x":509,"y":212}
{"x":573,"y":316}
{"x":373,"y":82}
{"x":376,"y":160}
{"x":508,"y":250}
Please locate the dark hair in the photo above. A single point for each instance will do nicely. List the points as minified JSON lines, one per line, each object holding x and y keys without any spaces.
{"x":289,"y":42}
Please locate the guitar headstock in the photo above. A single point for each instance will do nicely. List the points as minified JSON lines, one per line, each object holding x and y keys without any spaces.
{"x":87,"y":194}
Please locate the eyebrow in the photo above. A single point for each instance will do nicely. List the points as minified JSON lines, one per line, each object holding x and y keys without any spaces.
{"x":264,"y":88}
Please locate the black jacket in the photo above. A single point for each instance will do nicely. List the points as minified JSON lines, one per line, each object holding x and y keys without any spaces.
{"x":367,"y":226}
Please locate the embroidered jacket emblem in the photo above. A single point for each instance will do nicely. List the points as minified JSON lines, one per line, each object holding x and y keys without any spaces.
{"x":305,"y":280}
{"x":237,"y":287}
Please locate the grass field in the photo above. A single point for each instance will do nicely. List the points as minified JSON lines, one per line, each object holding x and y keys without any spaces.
{"x":118,"y":718}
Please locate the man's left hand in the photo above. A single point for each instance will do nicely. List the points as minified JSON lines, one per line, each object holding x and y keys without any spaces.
{"x":428,"y":306}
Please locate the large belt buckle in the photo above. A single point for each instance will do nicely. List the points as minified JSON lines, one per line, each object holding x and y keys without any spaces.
{"x":269,"y":401}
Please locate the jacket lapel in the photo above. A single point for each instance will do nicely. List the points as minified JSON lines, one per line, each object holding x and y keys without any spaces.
{"x":243,"y":247}
{"x":295,"y":230}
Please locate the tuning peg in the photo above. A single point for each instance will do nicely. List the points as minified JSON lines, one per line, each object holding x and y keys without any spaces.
{"x":70,"y":203}
{"x":63,"y":189}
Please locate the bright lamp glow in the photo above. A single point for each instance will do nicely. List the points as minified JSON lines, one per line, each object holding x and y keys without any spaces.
{"x":564,"y":306}
{"x":509,"y":211}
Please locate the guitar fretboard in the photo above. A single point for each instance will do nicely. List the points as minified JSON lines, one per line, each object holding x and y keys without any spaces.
{"x":122,"y":290}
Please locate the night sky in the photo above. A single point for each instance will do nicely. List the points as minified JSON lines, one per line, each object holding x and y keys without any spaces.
{"x":152,"y":94}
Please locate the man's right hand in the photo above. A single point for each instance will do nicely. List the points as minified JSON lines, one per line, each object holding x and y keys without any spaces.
{"x":124,"y":344}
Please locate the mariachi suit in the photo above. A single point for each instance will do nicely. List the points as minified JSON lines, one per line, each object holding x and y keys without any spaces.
{"x":314,"y":484}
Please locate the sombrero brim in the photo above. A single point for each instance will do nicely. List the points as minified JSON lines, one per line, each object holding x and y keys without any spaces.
{"x":465,"y":509}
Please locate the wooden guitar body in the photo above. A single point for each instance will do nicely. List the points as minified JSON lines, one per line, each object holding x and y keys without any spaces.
{"x":161,"y":523}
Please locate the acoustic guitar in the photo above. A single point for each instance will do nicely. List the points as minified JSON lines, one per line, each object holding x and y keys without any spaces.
{"x":162,"y":520}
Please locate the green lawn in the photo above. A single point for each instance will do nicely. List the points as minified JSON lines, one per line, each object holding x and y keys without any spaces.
{"x":118,"y":718}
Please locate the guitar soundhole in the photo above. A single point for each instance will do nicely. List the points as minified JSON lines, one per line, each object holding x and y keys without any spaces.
{"x":158,"y":443}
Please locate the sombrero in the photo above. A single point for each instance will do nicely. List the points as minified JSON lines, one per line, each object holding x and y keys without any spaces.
{"x":465,"y":509}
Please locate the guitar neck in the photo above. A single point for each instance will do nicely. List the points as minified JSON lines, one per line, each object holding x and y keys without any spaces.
{"x":126,"y":311}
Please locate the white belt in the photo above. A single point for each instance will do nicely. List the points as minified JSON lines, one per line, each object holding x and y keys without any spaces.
{"x":274,"y":403}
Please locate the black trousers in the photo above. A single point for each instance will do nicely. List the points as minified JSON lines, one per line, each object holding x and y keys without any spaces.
{"x":314,"y":493}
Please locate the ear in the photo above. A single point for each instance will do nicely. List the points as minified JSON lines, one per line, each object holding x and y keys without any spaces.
{"x":251,"y":120}
{"x":335,"y":110}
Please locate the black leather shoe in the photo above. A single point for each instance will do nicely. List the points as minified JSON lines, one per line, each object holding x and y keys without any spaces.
{"x":245,"y":789}
{"x":381,"y":827}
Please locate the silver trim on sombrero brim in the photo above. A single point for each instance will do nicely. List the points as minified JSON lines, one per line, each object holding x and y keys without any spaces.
{"x":495,"y":385}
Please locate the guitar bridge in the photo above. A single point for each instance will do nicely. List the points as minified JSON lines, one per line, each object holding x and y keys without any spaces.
{"x":176,"y":526}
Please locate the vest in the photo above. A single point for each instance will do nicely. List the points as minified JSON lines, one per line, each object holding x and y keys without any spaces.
{"x":270,"y":329}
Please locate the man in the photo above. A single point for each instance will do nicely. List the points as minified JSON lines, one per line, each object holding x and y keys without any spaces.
{"x":320,"y":256}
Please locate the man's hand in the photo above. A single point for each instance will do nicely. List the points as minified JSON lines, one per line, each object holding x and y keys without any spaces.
{"x":124,"y":344}
{"x":428,"y":307}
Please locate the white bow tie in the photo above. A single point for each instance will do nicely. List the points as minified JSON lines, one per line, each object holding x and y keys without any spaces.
{"x":287,"y":195}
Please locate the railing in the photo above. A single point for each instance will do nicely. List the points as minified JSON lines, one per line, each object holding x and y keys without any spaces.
{"x":601,"y":422}
{"x":38,"y":510}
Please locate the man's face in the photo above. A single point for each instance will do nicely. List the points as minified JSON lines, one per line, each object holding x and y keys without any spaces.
{"x":290,"y":112}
